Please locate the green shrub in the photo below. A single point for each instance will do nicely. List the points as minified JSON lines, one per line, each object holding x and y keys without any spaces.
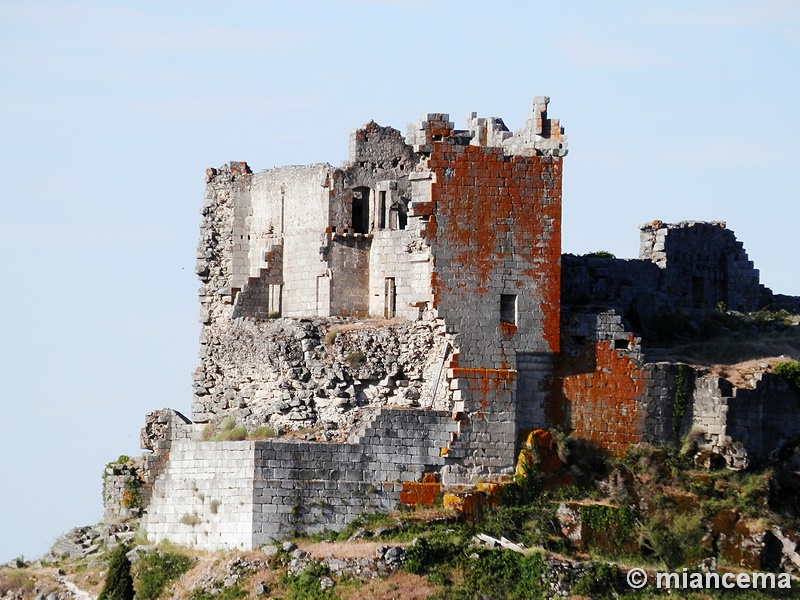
{"x":119,"y":583}
{"x":601,"y":580}
{"x":503,"y":574}
{"x":156,"y":570}
{"x":132,"y":496}
{"x":306,"y":584}
{"x":675,"y":539}
{"x":434,"y":548}
{"x":600,"y":254}
{"x":237,"y":434}
{"x":790,"y":371}
{"x":228,"y":432}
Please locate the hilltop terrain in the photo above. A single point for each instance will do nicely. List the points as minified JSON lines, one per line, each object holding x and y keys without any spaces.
{"x":573,"y":521}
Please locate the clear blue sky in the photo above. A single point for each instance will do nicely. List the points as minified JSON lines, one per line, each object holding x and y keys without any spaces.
{"x":112,"y":110}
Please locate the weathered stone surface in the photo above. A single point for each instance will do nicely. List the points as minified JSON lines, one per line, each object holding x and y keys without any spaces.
{"x":410,"y":306}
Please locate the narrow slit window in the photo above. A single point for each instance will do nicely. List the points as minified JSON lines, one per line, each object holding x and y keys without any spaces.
{"x":390,"y":299}
{"x":508,"y":308}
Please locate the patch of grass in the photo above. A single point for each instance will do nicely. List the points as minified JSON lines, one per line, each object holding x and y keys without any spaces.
{"x":214,"y":506}
{"x":501,"y":574}
{"x":306,"y":584}
{"x":156,"y":570}
{"x":228,"y":432}
{"x":16,"y":580}
{"x":262,"y":433}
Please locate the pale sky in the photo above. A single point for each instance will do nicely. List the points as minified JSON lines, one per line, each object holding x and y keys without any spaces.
{"x":111,"y":111}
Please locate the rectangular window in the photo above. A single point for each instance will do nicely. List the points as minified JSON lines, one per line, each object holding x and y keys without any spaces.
{"x":382,"y":209}
{"x":508,"y":308}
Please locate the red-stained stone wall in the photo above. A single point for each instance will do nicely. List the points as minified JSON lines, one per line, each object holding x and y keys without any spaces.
{"x":603,"y":404}
{"x":494,"y":225}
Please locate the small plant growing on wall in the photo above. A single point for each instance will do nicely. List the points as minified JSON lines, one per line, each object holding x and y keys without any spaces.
{"x":228,"y":432}
{"x":790,"y":371}
{"x":190,"y":519}
{"x":356,"y":358}
{"x":132,"y":496}
{"x":684,"y":384}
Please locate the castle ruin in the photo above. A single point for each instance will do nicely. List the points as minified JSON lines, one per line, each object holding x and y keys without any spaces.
{"x":405,"y":318}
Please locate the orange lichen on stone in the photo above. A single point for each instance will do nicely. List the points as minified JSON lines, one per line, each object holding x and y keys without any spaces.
{"x":468,"y":504}
{"x":492,"y":492}
{"x":539,"y":452}
{"x":416,"y":493}
{"x":604,"y":403}
{"x":495,"y":213}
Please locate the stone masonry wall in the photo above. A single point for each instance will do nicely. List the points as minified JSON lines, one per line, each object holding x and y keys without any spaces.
{"x":493,"y":223}
{"x":761,"y":418}
{"x":602,"y":381}
{"x":242,"y":494}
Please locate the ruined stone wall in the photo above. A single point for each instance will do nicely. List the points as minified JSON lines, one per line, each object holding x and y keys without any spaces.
{"x":401,"y":256}
{"x":611,"y":283}
{"x":704,"y":265}
{"x":348,"y":257}
{"x":320,"y":373}
{"x":783,"y":302}
{"x":602,"y":381}
{"x":759,"y":419}
{"x":610,"y":397}
{"x":664,"y":420}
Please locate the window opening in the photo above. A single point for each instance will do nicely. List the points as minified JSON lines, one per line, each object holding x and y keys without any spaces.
{"x":361,"y":210}
{"x":382,"y":209}
{"x":508,"y":308}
